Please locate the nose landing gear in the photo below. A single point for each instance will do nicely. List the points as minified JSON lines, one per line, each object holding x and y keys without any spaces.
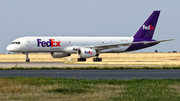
{"x":27,"y":59}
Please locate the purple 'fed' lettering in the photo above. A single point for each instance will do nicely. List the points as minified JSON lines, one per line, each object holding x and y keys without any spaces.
{"x":43,"y":43}
{"x":50,"y":43}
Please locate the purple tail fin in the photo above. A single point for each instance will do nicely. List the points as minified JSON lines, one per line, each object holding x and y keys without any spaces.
{"x":147,"y":29}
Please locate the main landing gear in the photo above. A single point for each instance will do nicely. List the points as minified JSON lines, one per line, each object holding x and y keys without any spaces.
{"x":27,"y":59}
{"x":94,"y":59}
{"x":97,"y":59}
{"x":81,"y":59}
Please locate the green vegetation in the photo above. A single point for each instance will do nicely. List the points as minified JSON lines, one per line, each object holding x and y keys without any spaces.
{"x":61,"y":89}
{"x":87,"y":68}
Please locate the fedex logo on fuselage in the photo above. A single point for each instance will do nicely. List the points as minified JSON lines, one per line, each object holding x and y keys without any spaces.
{"x":150,"y":27}
{"x":50,"y":43}
{"x":88,"y":52}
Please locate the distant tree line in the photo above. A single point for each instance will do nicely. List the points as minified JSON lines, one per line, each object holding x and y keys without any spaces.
{"x":156,"y":51}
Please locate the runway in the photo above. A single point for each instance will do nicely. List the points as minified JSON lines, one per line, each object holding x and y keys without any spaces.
{"x":61,"y":64}
{"x":42,"y":64}
{"x":94,"y":74}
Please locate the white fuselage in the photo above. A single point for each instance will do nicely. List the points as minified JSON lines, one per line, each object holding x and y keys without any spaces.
{"x":67,"y":44}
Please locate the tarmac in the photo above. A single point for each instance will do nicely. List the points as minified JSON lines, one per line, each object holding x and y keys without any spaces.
{"x":84,"y":74}
{"x":94,"y":74}
{"x":61,"y":64}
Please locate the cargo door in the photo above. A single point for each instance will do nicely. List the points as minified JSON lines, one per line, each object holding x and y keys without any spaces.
{"x":28,"y":44}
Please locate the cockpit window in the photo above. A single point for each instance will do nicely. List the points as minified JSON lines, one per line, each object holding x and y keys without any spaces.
{"x":15,"y":43}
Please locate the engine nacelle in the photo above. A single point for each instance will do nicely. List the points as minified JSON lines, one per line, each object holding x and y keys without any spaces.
{"x":86,"y":52}
{"x":59,"y":54}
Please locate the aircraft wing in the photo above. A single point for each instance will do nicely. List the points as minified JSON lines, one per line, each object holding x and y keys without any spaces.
{"x":101,"y":47}
{"x":126,"y":44}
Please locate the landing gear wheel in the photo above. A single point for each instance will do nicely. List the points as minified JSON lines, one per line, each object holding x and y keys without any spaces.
{"x":97,"y":59}
{"x":100,"y":59}
{"x":27,"y":60}
{"x":81,"y":59}
{"x":94,"y":59}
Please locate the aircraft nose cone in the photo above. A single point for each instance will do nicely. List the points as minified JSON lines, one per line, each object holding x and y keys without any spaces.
{"x":9,"y":48}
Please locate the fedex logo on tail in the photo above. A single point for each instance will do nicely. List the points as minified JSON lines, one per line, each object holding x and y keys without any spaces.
{"x":150,"y":27}
{"x":50,"y":43}
{"x":88,"y":52}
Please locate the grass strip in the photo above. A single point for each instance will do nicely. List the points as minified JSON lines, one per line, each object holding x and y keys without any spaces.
{"x":63,"y":89}
{"x":86,"y":68}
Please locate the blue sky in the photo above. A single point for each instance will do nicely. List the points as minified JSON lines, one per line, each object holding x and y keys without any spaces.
{"x":20,"y":18}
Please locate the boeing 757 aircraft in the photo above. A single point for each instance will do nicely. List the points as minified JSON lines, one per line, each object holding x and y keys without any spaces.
{"x":86,"y":47}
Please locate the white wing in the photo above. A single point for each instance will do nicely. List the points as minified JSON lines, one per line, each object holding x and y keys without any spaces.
{"x":126,"y":44}
{"x":101,"y":47}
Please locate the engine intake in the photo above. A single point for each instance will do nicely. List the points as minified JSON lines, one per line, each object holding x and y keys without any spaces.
{"x":59,"y":54}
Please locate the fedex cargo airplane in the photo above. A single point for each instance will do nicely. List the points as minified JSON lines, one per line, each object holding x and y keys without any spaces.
{"x":86,"y":47}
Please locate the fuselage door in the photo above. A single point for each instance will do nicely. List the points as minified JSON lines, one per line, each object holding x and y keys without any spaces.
{"x":28,"y":44}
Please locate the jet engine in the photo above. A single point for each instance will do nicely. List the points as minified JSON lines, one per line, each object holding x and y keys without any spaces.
{"x":59,"y":54}
{"x":86,"y":52}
